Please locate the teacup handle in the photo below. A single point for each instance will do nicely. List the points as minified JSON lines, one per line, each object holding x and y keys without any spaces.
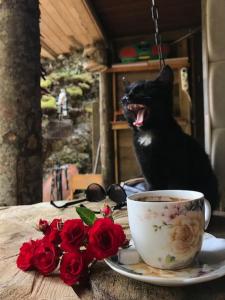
{"x":207,"y":212}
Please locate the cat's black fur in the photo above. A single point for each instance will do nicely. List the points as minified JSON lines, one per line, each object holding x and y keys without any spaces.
{"x":169,"y":158}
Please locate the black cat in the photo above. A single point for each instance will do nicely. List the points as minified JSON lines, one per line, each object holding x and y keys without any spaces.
{"x":169,"y":158}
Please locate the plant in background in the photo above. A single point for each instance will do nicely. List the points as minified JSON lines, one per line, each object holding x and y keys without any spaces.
{"x":73,"y":245}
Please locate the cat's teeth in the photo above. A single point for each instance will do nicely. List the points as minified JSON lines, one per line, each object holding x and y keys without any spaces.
{"x":135,"y":106}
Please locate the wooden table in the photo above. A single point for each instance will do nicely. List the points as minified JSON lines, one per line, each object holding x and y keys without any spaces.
{"x":17,"y":225}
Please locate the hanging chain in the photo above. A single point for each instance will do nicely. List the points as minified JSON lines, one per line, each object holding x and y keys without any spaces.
{"x":158,"y":39}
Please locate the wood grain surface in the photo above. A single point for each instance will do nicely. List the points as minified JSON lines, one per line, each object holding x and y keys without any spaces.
{"x":17,"y":225}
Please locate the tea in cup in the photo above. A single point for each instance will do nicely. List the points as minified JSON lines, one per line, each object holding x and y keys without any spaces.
{"x":167,"y":226}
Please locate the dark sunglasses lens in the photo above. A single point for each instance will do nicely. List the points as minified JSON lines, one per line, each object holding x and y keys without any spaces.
{"x":117,"y":194}
{"x":95,"y":193}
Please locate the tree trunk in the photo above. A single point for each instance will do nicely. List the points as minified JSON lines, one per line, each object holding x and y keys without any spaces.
{"x":20,"y":113}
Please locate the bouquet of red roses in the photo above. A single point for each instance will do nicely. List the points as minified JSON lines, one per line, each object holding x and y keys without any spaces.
{"x":73,"y":245}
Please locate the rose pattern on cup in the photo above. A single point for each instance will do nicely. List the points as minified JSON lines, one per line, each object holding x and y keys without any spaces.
{"x":186,"y":230}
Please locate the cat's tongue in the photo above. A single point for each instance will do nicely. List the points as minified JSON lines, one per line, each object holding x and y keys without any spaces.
{"x":140,"y":118}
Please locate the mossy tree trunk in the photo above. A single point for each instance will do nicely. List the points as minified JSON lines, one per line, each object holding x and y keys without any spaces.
{"x":20,"y":113}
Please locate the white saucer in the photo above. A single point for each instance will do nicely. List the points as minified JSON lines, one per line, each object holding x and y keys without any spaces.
{"x":209,"y":265}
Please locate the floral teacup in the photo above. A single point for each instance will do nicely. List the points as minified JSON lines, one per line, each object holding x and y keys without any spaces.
{"x":167,"y":226}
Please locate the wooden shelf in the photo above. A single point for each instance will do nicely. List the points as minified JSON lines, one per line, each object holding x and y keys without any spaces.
{"x":153,"y":65}
{"x":120,"y":125}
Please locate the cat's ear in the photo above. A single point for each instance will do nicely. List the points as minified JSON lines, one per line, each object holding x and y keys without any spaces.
{"x":166,"y":75}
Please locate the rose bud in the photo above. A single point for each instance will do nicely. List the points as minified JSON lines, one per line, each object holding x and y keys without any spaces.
{"x":43,"y":226}
{"x":106,"y":210}
{"x":53,"y":233}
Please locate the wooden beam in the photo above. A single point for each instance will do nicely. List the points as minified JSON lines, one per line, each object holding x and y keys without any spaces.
{"x":88,"y":21}
{"x":75,"y":43}
{"x":106,"y":135}
{"x":57,"y":23}
{"x":57,"y":45}
{"x":45,"y":53}
{"x":55,"y":29}
{"x":121,"y":125}
{"x":174,"y":63}
{"x":68,"y":24}
{"x":62,"y":16}
{"x":205,"y":70}
{"x":48,"y":49}
{"x":168,"y":35}
{"x":72,"y":19}
{"x":89,"y":8}
{"x":95,"y":137}
{"x":79,"y":21}
{"x":52,"y":15}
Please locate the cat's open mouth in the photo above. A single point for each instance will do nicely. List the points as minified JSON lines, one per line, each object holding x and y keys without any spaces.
{"x":140,"y":110}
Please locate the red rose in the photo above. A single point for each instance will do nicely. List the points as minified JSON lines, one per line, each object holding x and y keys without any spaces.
{"x":25,"y":258}
{"x":52,"y":232}
{"x":104,"y":238}
{"x":73,"y":235}
{"x":72,"y":267}
{"x":46,"y":257}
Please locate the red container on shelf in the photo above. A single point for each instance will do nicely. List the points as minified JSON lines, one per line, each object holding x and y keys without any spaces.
{"x":155,"y":52}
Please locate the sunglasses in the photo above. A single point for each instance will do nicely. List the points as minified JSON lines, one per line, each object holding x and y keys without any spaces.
{"x":95,"y":193}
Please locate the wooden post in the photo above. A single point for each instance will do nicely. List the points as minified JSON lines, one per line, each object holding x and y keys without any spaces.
{"x":20,"y":113}
{"x":106,"y":135}
{"x":95,"y":137}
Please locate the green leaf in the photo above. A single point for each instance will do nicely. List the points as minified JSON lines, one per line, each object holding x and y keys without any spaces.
{"x":87,"y":215}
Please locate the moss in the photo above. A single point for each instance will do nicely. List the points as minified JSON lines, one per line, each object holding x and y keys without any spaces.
{"x":84,"y":86}
{"x":85,"y":77}
{"x":88,"y":107}
{"x":60,"y":76}
{"x":48,"y":102}
{"x":46,"y":83}
{"x":74,"y":91}
{"x":67,"y":76}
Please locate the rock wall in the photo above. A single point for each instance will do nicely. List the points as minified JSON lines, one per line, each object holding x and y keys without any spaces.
{"x":82,"y":89}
